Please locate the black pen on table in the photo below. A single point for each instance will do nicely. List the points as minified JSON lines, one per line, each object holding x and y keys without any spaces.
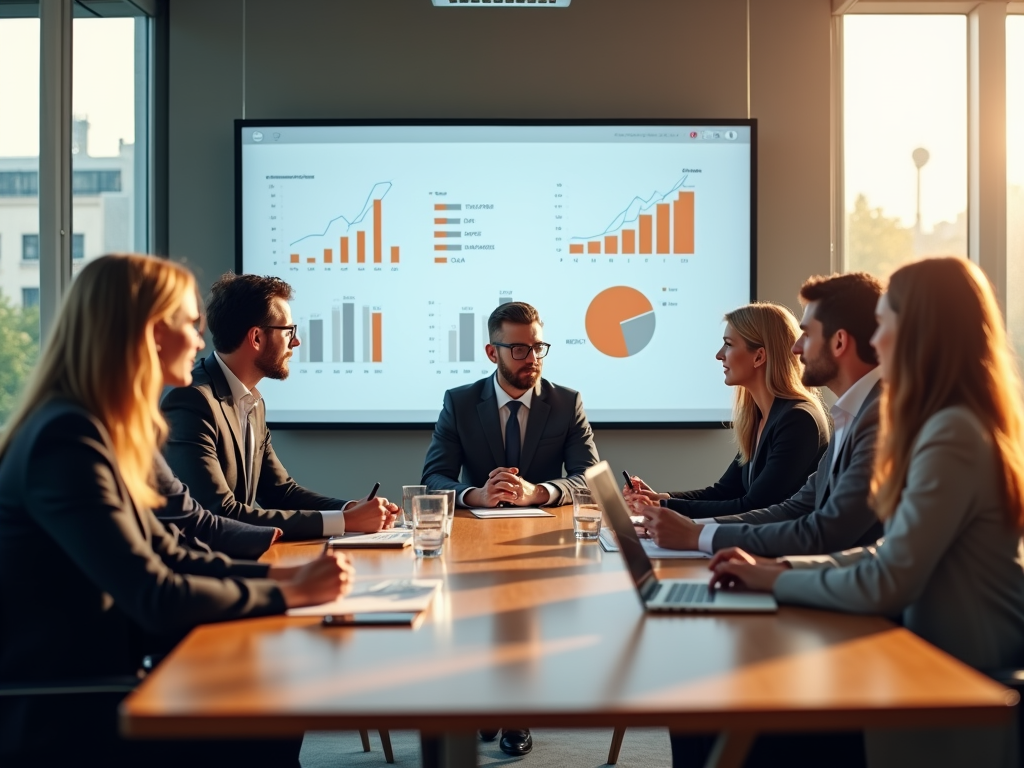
{"x":371,"y":497}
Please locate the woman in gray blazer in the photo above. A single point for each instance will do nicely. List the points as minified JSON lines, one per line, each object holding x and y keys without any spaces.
{"x":90,"y":580}
{"x":949,"y":486}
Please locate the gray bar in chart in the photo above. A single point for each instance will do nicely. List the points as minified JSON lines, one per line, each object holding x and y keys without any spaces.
{"x":335,"y":334}
{"x":349,"y":345}
{"x":303,"y":347}
{"x":316,"y":341}
{"x":466,"y":337}
{"x":448,"y":207}
{"x":446,"y":247}
{"x":453,"y":346}
{"x":447,"y":234}
{"x":366,"y":334}
{"x":505,"y":300}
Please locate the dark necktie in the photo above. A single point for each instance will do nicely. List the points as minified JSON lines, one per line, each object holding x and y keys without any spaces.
{"x":512,"y":441}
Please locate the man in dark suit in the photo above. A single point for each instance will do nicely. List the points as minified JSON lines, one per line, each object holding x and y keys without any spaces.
{"x":219,"y":444}
{"x":831,"y":512}
{"x":509,"y":436}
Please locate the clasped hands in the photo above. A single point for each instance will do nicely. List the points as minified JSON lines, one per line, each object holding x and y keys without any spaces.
{"x":370,"y":515}
{"x":505,"y":485}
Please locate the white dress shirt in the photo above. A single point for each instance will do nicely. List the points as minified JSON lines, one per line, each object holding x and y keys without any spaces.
{"x":504,"y":398}
{"x":843,"y":413}
{"x":245,"y":402}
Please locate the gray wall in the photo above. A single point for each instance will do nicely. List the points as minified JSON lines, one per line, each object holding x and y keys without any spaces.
{"x":599,"y":58}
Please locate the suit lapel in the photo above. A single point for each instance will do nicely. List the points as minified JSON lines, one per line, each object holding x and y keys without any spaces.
{"x":222,"y":391}
{"x":487,"y":410}
{"x":539,"y":412}
{"x":823,"y":478}
{"x":848,"y":438}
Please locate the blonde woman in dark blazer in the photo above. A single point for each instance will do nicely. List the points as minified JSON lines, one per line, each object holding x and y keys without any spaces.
{"x":90,"y":580}
{"x":949,"y":486}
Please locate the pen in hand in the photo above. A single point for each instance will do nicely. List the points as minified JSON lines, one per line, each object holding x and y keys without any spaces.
{"x":370,"y":497}
{"x":629,"y":481}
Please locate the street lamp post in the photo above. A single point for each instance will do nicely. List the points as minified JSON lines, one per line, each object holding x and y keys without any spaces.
{"x":921,"y":157}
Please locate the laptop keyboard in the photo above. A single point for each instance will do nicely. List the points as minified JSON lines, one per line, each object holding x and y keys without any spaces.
{"x":687,"y":593}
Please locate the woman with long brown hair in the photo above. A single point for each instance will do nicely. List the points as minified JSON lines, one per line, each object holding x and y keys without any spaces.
{"x":779,"y":424}
{"x":949,"y":486}
{"x":90,"y":580}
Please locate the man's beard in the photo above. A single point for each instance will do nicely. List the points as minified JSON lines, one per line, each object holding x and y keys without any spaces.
{"x":819,"y":372}
{"x":271,"y":365}
{"x":523,"y":379}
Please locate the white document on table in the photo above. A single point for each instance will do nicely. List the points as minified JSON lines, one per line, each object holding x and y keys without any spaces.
{"x":378,"y":596}
{"x":609,"y":544}
{"x":393,"y":538}
{"x":485,"y":514}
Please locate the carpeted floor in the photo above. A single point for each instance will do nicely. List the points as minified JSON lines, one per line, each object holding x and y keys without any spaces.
{"x":642,"y":748}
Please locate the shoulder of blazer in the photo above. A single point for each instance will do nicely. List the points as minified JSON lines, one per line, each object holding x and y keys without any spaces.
{"x":471,"y":393}
{"x":868,"y":412}
{"x":547,"y":390}
{"x":207,"y":374}
{"x":64,"y":415}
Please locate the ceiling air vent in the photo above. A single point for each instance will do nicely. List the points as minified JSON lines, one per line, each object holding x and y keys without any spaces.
{"x":502,"y":3}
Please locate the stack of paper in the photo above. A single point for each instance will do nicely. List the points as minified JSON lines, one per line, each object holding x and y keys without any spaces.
{"x":381,"y":596}
{"x":609,"y":544}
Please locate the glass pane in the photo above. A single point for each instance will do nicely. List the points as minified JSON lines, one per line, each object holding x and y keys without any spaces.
{"x":1015,"y":179}
{"x":19,"y":206}
{"x":905,"y":138}
{"x":105,"y":75}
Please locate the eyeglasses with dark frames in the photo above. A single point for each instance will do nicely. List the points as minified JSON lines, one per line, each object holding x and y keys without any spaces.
{"x":522,"y":351}
{"x":292,"y":330}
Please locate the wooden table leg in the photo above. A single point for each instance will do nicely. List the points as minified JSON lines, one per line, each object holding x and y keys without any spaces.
{"x":730,"y":750}
{"x":449,"y":750}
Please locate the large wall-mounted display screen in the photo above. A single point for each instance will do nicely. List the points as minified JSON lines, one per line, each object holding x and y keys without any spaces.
{"x":399,"y":239}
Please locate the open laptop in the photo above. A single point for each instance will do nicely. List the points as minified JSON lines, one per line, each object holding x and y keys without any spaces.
{"x":670,"y":594}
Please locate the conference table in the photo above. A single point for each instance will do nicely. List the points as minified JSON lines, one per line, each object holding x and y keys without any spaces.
{"x":535,"y":629}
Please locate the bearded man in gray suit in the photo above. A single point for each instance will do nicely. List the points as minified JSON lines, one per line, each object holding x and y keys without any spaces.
{"x":831,"y":511}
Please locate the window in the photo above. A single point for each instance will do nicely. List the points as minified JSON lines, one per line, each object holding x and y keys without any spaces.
{"x":29,"y":297}
{"x":905,"y":139}
{"x":77,"y":247}
{"x":1015,"y":179}
{"x":30,"y":247}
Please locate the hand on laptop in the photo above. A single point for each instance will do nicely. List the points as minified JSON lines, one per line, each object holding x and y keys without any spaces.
{"x":667,"y":528}
{"x":735,"y":569}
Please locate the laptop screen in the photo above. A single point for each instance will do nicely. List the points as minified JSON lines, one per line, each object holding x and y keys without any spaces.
{"x":605,"y":488}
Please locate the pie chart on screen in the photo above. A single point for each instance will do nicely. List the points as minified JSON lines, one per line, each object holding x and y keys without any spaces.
{"x":620,"y":321}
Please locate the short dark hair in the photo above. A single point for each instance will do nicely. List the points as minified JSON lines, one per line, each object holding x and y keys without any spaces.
{"x":518,"y":312}
{"x":240,"y":302}
{"x":846,"y":302}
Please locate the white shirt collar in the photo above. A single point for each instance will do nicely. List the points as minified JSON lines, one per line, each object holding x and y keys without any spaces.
{"x":853,"y":398}
{"x":504,"y":398}
{"x":238,"y":389}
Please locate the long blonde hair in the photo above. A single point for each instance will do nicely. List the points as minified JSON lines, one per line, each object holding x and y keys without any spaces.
{"x":950,"y":349}
{"x":101,"y":354}
{"x":773,"y":327}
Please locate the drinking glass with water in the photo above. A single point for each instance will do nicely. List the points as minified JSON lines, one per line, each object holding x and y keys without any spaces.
{"x":428,"y":519}
{"x":408,"y":491}
{"x":586,"y":515}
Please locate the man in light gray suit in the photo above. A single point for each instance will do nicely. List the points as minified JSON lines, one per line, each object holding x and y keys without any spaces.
{"x":831,"y":512}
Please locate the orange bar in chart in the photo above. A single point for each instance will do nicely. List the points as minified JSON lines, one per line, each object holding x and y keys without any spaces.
{"x":663,"y":227}
{"x":575,"y":247}
{"x":295,"y":258}
{"x":311,"y":260}
{"x":594,"y":246}
{"x":377,"y":352}
{"x":376,"y":232}
{"x":394,"y":254}
{"x":361,"y":247}
{"x":645,"y":233}
{"x":328,"y":256}
{"x":440,"y":259}
{"x":682,"y":221}
{"x":629,"y":241}
{"x":344,"y":250}
{"x":611,"y":244}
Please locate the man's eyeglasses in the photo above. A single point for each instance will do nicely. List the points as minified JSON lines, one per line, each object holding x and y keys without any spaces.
{"x":291,"y":331}
{"x":522,"y":351}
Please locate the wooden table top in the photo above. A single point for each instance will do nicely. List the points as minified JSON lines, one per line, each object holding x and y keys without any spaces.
{"x":535,"y":629}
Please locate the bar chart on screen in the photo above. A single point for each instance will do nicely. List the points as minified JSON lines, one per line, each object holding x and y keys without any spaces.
{"x":355,"y":237}
{"x":457,"y":335}
{"x":350,"y":333}
{"x":658,"y":224}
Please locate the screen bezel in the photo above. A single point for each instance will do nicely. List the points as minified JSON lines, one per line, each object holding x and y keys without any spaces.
{"x":249,"y":123}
